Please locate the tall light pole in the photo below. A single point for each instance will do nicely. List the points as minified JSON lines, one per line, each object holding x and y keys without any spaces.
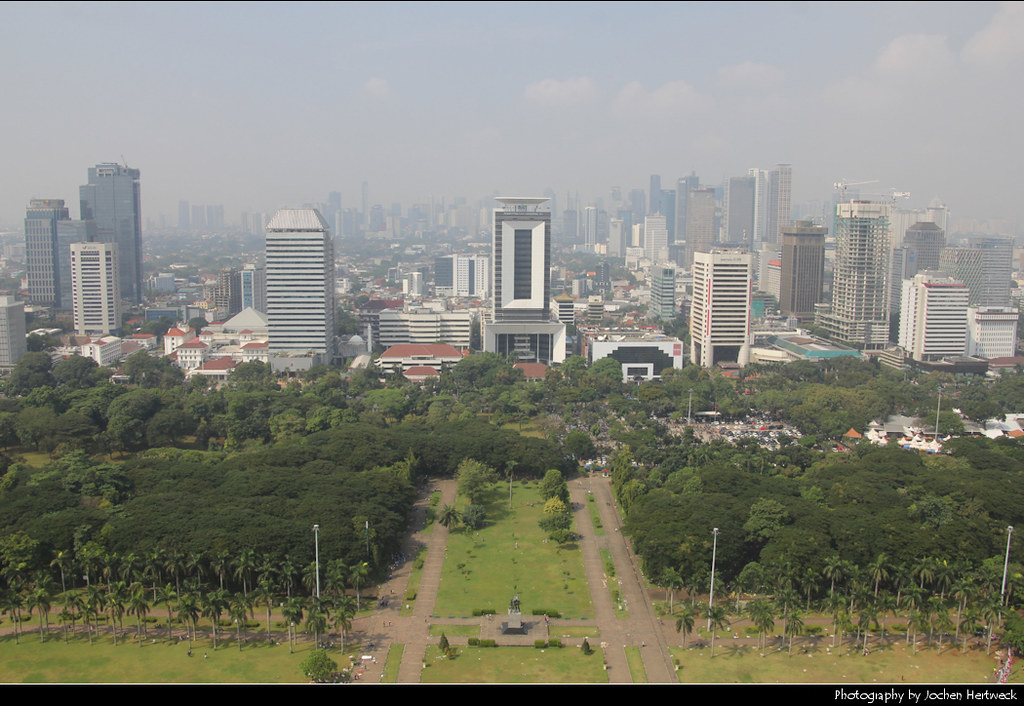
{"x":689,"y":410}
{"x":711,"y":593}
{"x":1006,"y":564}
{"x":316,"y":541}
{"x":938,"y":409}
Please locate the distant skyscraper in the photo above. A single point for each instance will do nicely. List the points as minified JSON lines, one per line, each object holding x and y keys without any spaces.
{"x":300,"y":284}
{"x":663,"y":292}
{"x":780,"y":202}
{"x":253,"y":282}
{"x":700,"y":223}
{"x":720,"y":310}
{"x":738,"y":211}
{"x":684,"y":186}
{"x":859,"y":314}
{"x":590,"y":227}
{"x":95,"y":288}
{"x":803,"y":268}
{"x":926,"y":241}
{"x":520,"y":323}
{"x":69,"y":232}
{"x":655,"y":238}
{"x":112,"y":199}
{"x":965,"y":265}
{"x":12,"y":332}
{"x":42,"y":267}
{"x":654,"y":195}
{"x":184,"y":221}
{"x":997,"y":264}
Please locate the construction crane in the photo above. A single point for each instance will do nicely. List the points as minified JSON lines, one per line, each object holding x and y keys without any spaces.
{"x":842,"y":185}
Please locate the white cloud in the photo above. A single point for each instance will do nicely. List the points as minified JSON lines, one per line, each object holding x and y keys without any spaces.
{"x":671,"y":99}
{"x":560,"y":94}
{"x":1002,"y":42}
{"x":751,"y":74}
{"x":378,"y":87}
{"x":915,"y":57}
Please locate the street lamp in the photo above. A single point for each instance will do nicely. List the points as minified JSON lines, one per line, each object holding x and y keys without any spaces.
{"x":1006,"y":564}
{"x":316,"y":541}
{"x":711,"y":593}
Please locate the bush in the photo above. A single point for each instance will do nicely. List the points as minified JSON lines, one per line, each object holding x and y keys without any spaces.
{"x":588,"y":650}
{"x":477,"y":612}
{"x":410,"y":595}
{"x":473,"y":641}
{"x":549,"y":613}
{"x":488,"y":643}
{"x":554,"y":642}
{"x":540,"y":644}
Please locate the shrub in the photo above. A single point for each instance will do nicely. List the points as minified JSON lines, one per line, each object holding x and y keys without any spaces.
{"x":540,"y":644}
{"x":487,"y":643}
{"x":554,"y":642}
{"x":588,"y":650}
{"x":473,"y":641}
{"x":410,"y":595}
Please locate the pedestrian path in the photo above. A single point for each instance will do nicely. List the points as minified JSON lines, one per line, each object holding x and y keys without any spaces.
{"x":386,"y":627}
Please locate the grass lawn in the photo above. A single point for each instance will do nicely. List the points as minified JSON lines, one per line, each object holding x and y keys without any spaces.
{"x":595,"y":516}
{"x":392,"y":664}
{"x":163,"y":662}
{"x":895,"y":664}
{"x":485,"y":568}
{"x":455,"y":630}
{"x":413,"y":586}
{"x":514,"y":665}
{"x":636,"y":665}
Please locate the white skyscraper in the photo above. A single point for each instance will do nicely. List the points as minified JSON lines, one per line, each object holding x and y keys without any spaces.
{"x":720,"y":310}
{"x":12,"y":332}
{"x":520,"y":323}
{"x":300,"y":285}
{"x":95,"y":288}
{"x":933,"y":317}
{"x":655,"y":237}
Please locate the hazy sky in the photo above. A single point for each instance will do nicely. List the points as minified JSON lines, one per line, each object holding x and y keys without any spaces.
{"x":266,"y":105}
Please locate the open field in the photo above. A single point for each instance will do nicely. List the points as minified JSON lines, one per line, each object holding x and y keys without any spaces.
{"x":821,"y":665}
{"x":514,"y":665}
{"x":484,"y":568}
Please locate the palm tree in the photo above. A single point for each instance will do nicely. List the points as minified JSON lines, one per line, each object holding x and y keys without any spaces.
{"x":174,"y":563}
{"x":129,"y":567}
{"x":344,"y":611}
{"x":685,"y":622}
{"x":188,"y":609}
{"x":337,"y":577}
{"x":239,"y":610}
{"x":66,"y":616}
{"x":195,"y":563}
{"x":963,"y":589}
{"x":357,"y":574}
{"x":968,"y":623}
{"x":11,"y":601}
{"x":244,"y":565}
{"x":289,"y":571}
{"x":886,"y":604}
{"x":794,"y":626}
{"x":292,"y":611}
{"x":449,"y":516}
{"x":761,"y":614}
{"x":76,"y":604}
{"x":139,"y":606}
{"x":220,"y":563}
{"x":94,"y":602}
{"x":913,"y":597}
{"x":117,"y":597}
{"x":41,"y":599}
{"x":166,"y":595}
{"x":673,"y":581}
{"x":834,"y":570}
{"x":316,"y":621}
{"x":719,"y":618}
{"x":62,"y":560}
{"x":213,"y":604}
{"x":264,"y":592}
{"x":878,"y":570}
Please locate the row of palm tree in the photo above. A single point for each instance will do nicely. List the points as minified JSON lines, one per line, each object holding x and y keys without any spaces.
{"x":925,"y":594}
{"x":117,"y":598}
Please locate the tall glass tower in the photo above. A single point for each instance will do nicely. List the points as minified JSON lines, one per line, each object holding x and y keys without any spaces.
{"x":112,"y":200}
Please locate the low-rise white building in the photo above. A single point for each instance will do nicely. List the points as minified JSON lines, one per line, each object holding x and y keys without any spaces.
{"x":105,"y":351}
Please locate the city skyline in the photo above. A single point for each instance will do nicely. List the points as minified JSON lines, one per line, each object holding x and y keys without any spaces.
{"x":419,"y":100}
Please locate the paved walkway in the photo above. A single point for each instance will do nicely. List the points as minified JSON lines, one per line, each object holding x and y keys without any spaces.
{"x":640,"y":628}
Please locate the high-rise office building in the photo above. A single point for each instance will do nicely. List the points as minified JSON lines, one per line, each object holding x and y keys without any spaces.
{"x":700,"y":223}
{"x":184,"y":220}
{"x":859,"y":314}
{"x":684,"y":186}
{"x":780,"y":202}
{"x":738,"y":207}
{"x":720,"y":310}
{"x":112,"y":199}
{"x":95,"y":288}
{"x":300,"y":284}
{"x":663,"y":292}
{"x":925,"y":240}
{"x":42,"y":267}
{"x":520,"y":322}
{"x":655,"y":237}
{"x":12,"y":332}
{"x":933,"y":317}
{"x":997,"y":264}
{"x":992,"y":331}
{"x":590,"y":227}
{"x":69,"y":232}
{"x":803,"y":269}
{"x":964,"y":265}
{"x":253,"y":285}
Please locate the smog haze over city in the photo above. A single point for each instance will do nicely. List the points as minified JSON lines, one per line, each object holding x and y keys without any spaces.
{"x":258,"y":106}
